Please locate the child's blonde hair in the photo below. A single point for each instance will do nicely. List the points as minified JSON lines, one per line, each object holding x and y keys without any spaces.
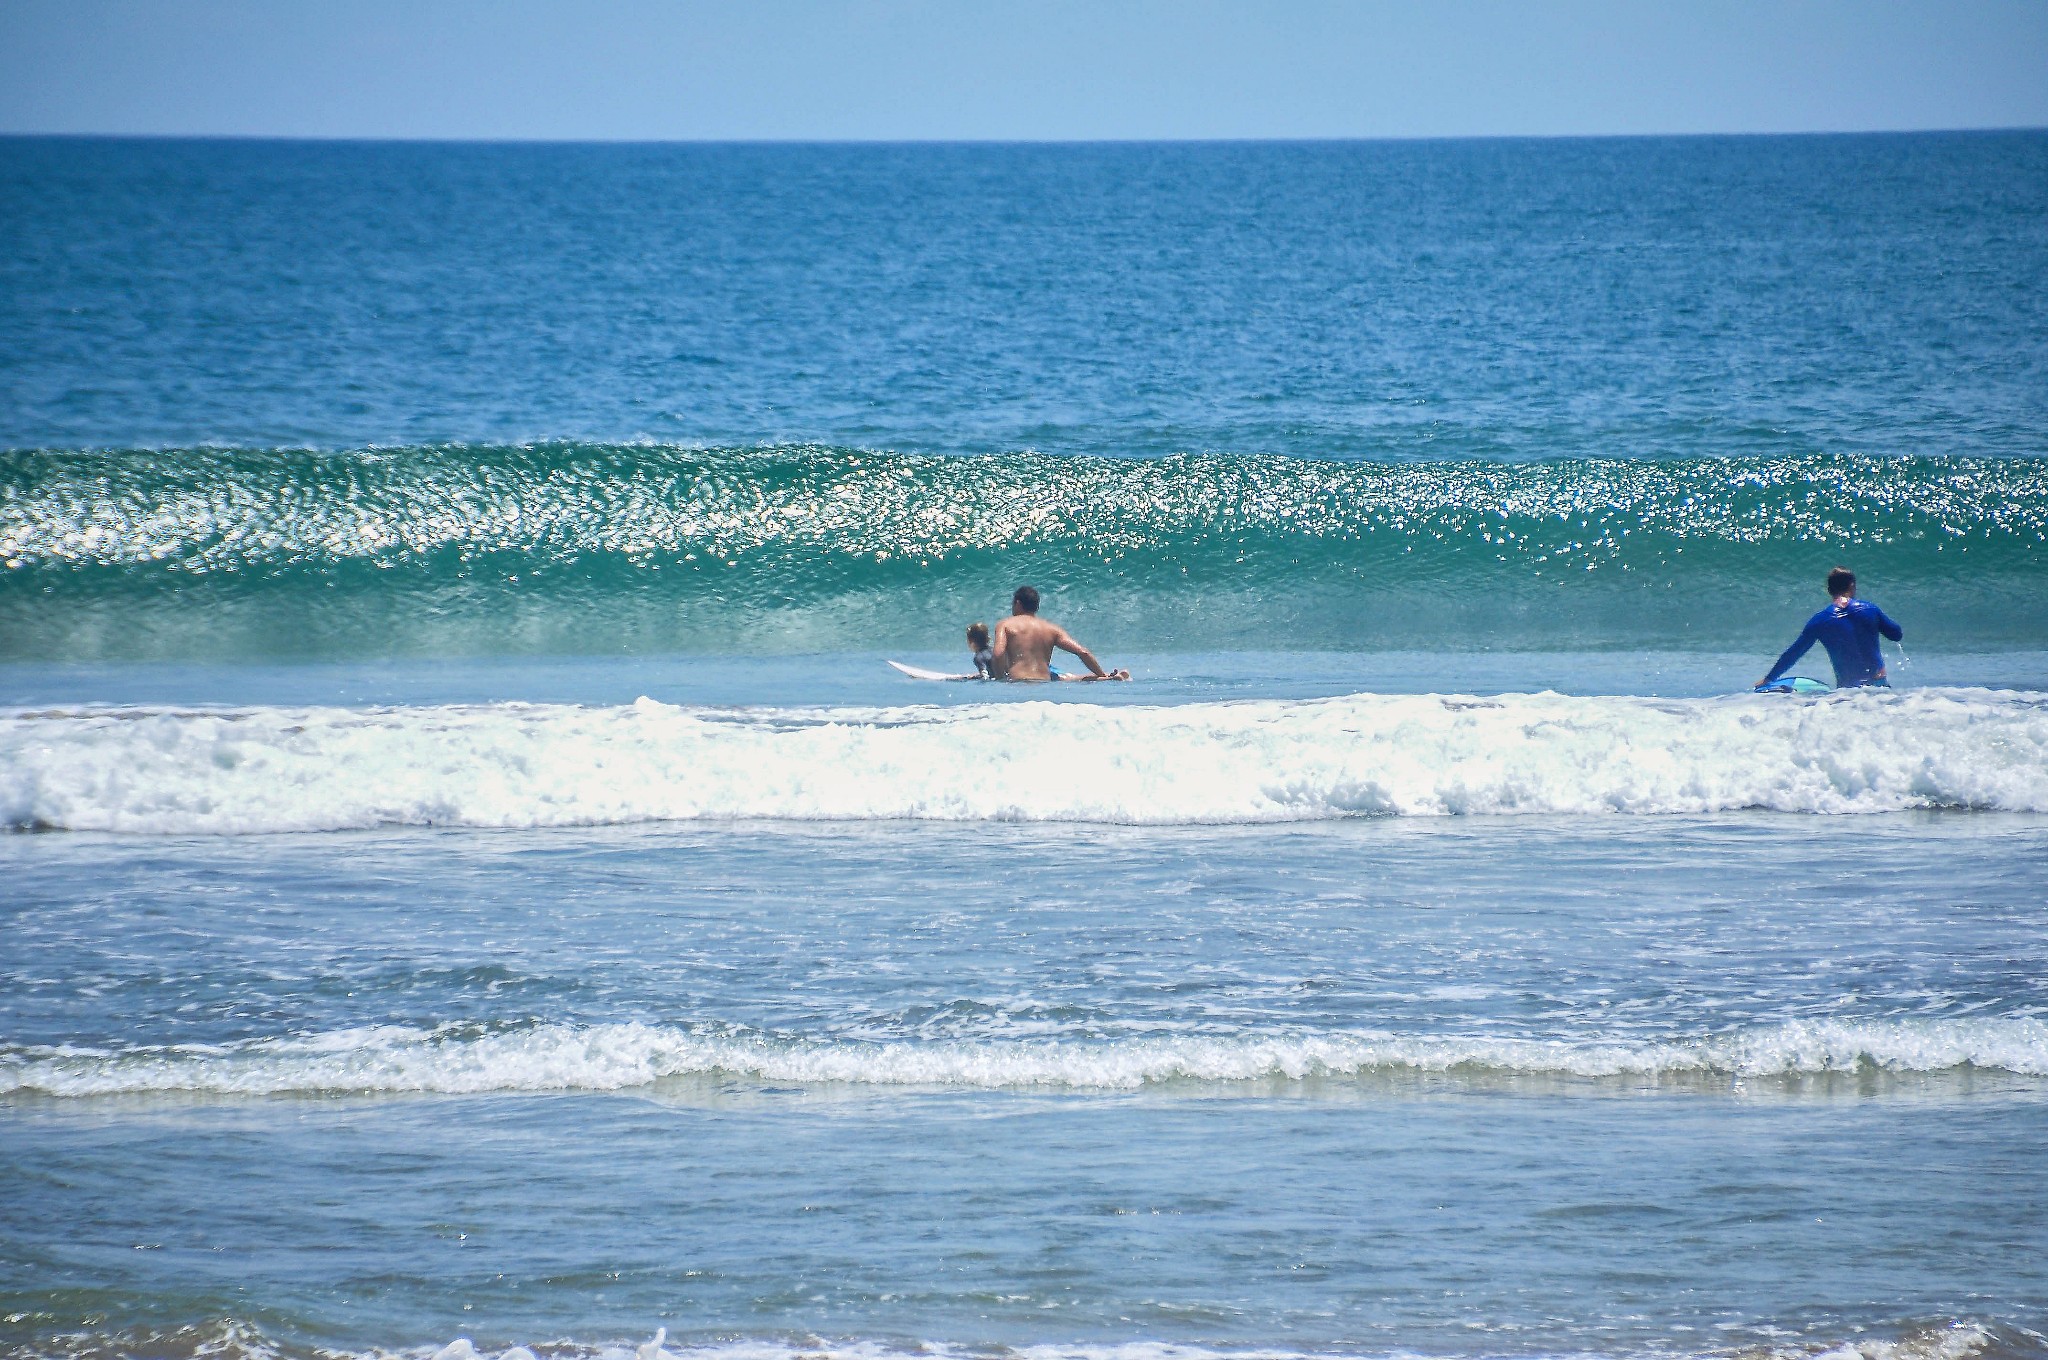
{"x":977,"y":633}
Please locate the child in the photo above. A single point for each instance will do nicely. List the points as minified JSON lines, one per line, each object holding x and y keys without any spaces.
{"x":984,"y":659}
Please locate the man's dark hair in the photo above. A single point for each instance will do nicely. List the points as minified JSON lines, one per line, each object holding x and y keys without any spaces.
{"x":1841,"y":581}
{"x":1026,"y":599}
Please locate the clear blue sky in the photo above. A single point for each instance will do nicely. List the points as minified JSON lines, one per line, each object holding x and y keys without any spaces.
{"x":1055,"y":69}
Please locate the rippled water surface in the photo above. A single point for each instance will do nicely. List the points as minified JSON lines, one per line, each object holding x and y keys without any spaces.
{"x":1579,"y":1087}
{"x":473,"y":888}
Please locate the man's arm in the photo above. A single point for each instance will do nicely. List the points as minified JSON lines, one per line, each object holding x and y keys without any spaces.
{"x":1888,"y":628}
{"x":1066,"y":643}
{"x":1094,"y":666}
{"x":1790,"y":655}
{"x":999,"y":650}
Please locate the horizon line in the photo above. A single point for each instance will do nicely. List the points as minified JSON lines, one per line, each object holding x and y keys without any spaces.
{"x":406,"y":140}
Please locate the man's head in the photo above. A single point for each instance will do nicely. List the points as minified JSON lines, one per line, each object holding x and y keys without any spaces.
{"x":1025,"y":601}
{"x":1841,"y":581}
{"x":977,"y":635}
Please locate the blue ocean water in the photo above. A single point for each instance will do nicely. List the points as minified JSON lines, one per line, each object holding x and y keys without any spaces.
{"x":475,"y":888}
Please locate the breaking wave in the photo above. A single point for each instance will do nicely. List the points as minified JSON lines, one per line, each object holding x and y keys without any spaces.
{"x":617,"y":1057}
{"x":607,"y":548}
{"x":519,"y":765}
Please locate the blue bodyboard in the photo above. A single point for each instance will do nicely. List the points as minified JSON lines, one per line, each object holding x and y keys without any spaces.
{"x":1794,"y":684}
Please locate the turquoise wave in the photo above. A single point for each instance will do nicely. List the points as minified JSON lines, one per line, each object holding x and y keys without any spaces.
{"x":599,"y":548}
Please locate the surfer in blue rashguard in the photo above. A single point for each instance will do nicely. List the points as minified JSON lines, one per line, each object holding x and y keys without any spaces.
{"x":1849,"y":629}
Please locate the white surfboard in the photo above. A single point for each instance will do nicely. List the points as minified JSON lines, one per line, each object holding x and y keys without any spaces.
{"x":919,"y":673}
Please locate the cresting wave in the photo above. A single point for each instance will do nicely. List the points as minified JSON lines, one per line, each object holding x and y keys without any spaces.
{"x":200,"y":511}
{"x":617,"y":1057}
{"x":517,"y":765}
{"x":238,"y":1340}
{"x":440,"y":550}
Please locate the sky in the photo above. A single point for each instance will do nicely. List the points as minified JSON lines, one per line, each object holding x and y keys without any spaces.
{"x":1048,"y":70}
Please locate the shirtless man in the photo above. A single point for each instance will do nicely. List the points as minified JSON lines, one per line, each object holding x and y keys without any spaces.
{"x":1024,"y":642}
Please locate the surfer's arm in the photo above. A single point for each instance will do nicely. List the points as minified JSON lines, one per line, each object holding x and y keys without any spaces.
{"x":999,"y":652}
{"x":1067,"y":644}
{"x":1888,"y":628}
{"x":1790,"y":655}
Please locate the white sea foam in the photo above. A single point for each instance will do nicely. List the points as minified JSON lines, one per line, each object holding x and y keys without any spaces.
{"x":515,"y":765}
{"x":1956,"y":1341}
{"x":242,"y":1341}
{"x":614,"y":1057}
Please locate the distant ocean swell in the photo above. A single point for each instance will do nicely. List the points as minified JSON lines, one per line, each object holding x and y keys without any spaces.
{"x":612,"y":1057}
{"x":521,"y":765}
{"x":648,"y":548}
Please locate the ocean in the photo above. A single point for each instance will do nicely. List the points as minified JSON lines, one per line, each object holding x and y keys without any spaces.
{"x":475,"y":888}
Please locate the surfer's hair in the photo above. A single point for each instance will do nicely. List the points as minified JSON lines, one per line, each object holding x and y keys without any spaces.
{"x":1026,"y":599}
{"x":1841,"y":581}
{"x":977,"y":633}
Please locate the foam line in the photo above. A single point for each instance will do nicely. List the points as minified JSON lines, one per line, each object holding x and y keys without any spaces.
{"x":513,"y":765}
{"x":238,"y":1340}
{"x":616,"y":1057}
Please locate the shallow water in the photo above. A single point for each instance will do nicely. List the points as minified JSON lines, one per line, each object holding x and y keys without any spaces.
{"x":1580,"y":1086}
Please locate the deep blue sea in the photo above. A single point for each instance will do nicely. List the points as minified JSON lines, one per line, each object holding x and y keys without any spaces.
{"x":474,"y":890}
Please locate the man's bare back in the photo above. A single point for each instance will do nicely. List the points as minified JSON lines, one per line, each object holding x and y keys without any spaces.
{"x":1024,"y":643}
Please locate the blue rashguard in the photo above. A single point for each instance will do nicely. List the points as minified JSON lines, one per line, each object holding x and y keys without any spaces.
{"x":1849,"y":631}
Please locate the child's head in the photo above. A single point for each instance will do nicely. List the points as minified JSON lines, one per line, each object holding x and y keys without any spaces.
{"x":977,"y":635}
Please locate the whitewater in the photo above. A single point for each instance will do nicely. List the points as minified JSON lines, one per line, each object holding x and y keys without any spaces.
{"x":617,"y":1057}
{"x":1956,"y":1341}
{"x":162,"y":772}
